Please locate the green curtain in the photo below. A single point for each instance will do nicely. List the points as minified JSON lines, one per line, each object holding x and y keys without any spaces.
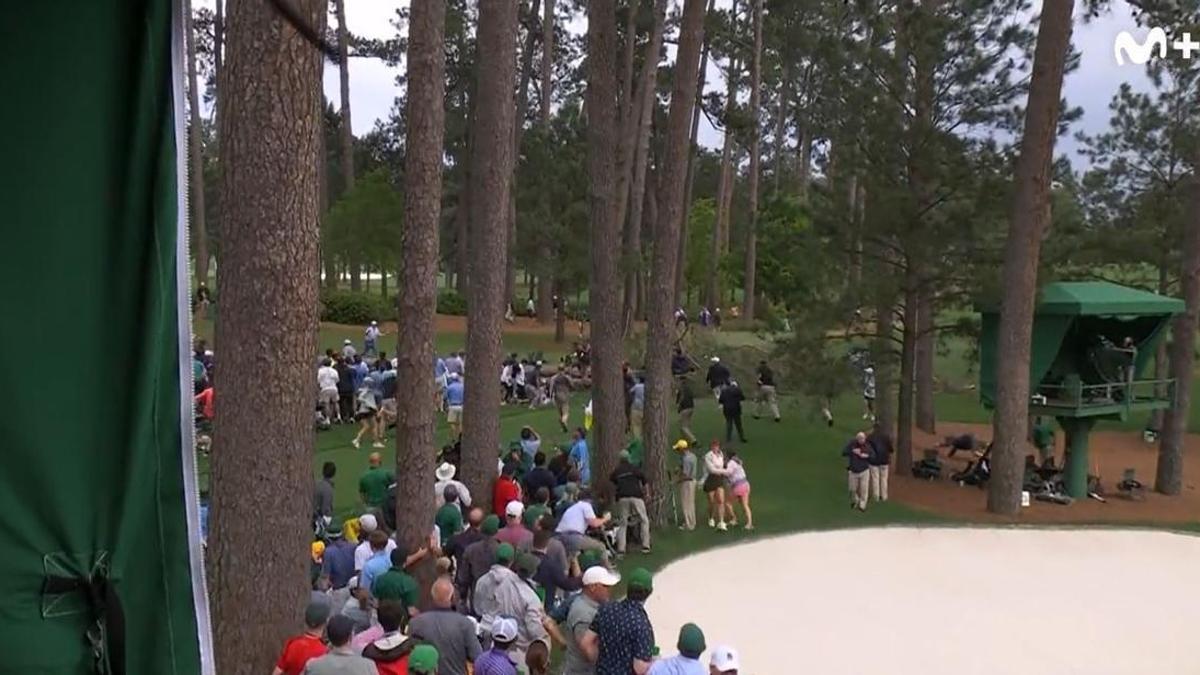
{"x":95,"y":430}
{"x":1047,"y":337}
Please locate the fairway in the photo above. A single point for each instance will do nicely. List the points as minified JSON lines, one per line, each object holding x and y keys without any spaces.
{"x":909,"y":601}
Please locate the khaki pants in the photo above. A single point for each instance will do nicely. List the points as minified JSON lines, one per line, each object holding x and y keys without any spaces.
{"x":687,"y":503}
{"x":638,"y":506}
{"x":879,"y":483}
{"x":766,"y":395}
{"x":859,"y":489}
{"x":564,"y":411}
{"x":685,"y":424}
{"x":635,"y":422}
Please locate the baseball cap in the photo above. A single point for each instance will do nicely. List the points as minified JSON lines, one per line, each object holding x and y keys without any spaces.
{"x":317,"y":613}
{"x":514,"y":509}
{"x":725,"y":659}
{"x":318,"y":550}
{"x":716,"y":359}
{"x":528,"y":563}
{"x":367,"y":523}
{"x":504,"y":629}
{"x":691,"y":640}
{"x":490,"y":525}
{"x":423,"y":659}
{"x":641,"y":578}
{"x":601,"y":575}
{"x":334,"y":531}
{"x":346,"y":342}
{"x":680,"y":445}
{"x":505,"y":553}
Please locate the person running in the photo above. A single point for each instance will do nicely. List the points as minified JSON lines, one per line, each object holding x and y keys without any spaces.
{"x":731,"y":407}
{"x":348,"y":351}
{"x":327,"y":391}
{"x":366,"y":407}
{"x":371,"y":339}
{"x":685,"y":401}
{"x":298,"y":651}
{"x":766,"y":392}
{"x":717,"y":377}
{"x":560,"y":391}
{"x":739,"y":486}
{"x":858,"y":464}
{"x":455,"y":396}
{"x":880,"y":461}
{"x":869,"y":393}
{"x":714,"y":485}
{"x":688,"y":474}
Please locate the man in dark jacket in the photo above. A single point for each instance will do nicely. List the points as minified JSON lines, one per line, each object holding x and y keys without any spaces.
{"x":717,"y":377}
{"x":686,"y":403}
{"x":731,"y":398}
{"x":881,"y":459}
{"x":550,"y":574}
{"x":680,"y":364}
{"x":345,"y":389}
{"x":477,"y":559}
{"x":858,"y":464}
{"x":630,"y":484}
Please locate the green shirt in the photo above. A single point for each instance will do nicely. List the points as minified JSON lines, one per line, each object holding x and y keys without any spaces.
{"x":374,"y":484}
{"x":1043,"y":436}
{"x":533,"y":513}
{"x":449,"y":521}
{"x":396,"y":584}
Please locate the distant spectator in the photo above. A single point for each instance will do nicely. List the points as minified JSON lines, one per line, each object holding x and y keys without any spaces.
{"x":298,"y":651}
{"x":341,"y":659}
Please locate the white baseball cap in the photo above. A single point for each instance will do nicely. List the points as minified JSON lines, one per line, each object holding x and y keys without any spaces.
{"x":346,"y":342}
{"x":600,"y":574}
{"x":514,"y":509}
{"x":724,"y":658}
{"x":504,"y":629}
{"x":716,"y":359}
{"x":367,"y":522}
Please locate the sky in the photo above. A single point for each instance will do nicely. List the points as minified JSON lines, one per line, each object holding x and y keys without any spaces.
{"x":373,"y":85}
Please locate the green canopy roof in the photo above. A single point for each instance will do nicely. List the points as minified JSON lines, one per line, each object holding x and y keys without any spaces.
{"x":1094,"y":298}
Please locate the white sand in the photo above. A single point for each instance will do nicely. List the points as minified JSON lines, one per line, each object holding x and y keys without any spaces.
{"x":901,"y":601}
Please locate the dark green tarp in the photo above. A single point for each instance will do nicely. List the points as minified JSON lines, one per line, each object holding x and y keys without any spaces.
{"x":95,"y":456}
{"x":1048,"y":333}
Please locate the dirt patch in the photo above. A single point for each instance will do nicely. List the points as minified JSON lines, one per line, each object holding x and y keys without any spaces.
{"x":1111,"y":453}
{"x":444,"y":323}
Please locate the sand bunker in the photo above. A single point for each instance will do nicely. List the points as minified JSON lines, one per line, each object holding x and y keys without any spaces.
{"x":930,"y":601}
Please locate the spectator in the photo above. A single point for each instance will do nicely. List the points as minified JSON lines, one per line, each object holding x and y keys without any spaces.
{"x":345,"y":390}
{"x":367,"y":524}
{"x":298,"y":651}
{"x":366,"y":407}
{"x":337,"y":565}
{"x":530,"y":443}
{"x":392,"y":653}
{"x":881,"y":459}
{"x":621,"y":639}
{"x":714,"y":485}
{"x":373,"y":486}
{"x":630,"y":485}
{"x":573,"y":526}
{"x":717,"y":377}
{"x":323,"y":494}
{"x":869,"y":393}
{"x":348,"y":351}
{"x":685,"y":401}
{"x":731,"y":398}
{"x":380,"y":560}
{"x":450,"y":632}
{"x":560,"y":466}
{"x":396,"y":583}
{"x":739,"y":487}
{"x":514,"y":531}
{"x":579,"y":456}
{"x":327,"y":391}
{"x":371,"y":339}
{"x":459,"y":542}
{"x":539,"y":509}
{"x":478,"y":559}
{"x":341,"y":659}
{"x":597,"y":586}
{"x":560,"y":390}
{"x":505,"y":490}
{"x":445,"y":478}
{"x":550,"y":574}
{"x":637,"y":406}
{"x":766,"y":392}
{"x":691,"y":646}
{"x":688,"y":474}
{"x":449,"y":518}
{"x":498,"y":660}
{"x":724,"y":661}
{"x":424,"y":660}
{"x":539,"y":476}
{"x":680,"y":364}
{"x":858,"y":455}
{"x":455,"y":396}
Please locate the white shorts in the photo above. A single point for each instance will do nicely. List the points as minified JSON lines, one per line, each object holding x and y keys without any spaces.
{"x":328,"y":396}
{"x":454,"y":414}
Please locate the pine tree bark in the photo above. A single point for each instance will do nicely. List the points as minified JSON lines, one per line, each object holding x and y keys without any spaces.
{"x":605,"y":291}
{"x":545,"y":298}
{"x":646,"y":95}
{"x":685,"y":220}
{"x":491,"y":176}
{"x":725,"y":184}
{"x":1168,"y":478}
{"x":884,"y":351}
{"x":199,"y":224}
{"x":660,"y":330}
{"x":425,"y":119}
{"x":626,"y":114}
{"x":462,"y":213}
{"x":926,"y":415}
{"x":1161,"y":365}
{"x":526,"y":74}
{"x":908,"y":349}
{"x":748,"y":288}
{"x":270,"y":122}
{"x":803,"y":161}
{"x":1030,"y":218}
{"x":781,"y":124}
{"x":347,"y":132}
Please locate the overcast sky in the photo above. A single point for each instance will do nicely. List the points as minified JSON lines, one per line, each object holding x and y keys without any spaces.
{"x":373,"y":85}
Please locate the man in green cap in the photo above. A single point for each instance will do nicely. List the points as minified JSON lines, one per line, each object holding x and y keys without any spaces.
{"x":423,"y":660}
{"x":691,"y":646}
{"x":505,"y":592}
{"x":620,"y":639}
{"x":477,"y":559}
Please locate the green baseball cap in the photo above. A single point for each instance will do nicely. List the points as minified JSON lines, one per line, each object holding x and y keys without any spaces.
{"x":590,"y":559}
{"x":424,"y":659}
{"x":490,"y":525}
{"x":691,"y":641}
{"x":505,"y":553}
{"x":528,"y":563}
{"x":641,"y":578}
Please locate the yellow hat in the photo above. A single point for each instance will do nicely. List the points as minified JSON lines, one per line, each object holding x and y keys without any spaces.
{"x":318,"y":550}
{"x":680,"y":445}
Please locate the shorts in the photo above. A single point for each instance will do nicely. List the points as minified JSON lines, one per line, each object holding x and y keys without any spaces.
{"x":454,"y":414}
{"x":328,"y":397}
{"x":741,"y":489}
{"x":713,"y":483}
{"x":364,"y":415}
{"x":389,"y":407}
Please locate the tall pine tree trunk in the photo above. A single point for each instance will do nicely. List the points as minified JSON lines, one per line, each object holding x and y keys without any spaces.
{"x":462,"y":213}
{"x":1030,"y":218}
{"x":346,"y":135}
{"x":641,"y":160}
{"x":1160,"y":354}
{"x":425,"y":120}
{"x":526,"y":74}
{"x":781,"y":125}
{"x":545,"y":298}
{"x":748,"y":290}
{"x":885,"y":366}
{"x":491,"y":176}
{"x":626,"y":114}
{"x":660,"y":336}
{"x":270,"y":122}
{"x":198,"y":221}
{"x":1168,"y":478}
{"x":908,"y":353}
{"x":926,"y":417}
{"x":605,"y":291}
{"x":803,"y":161}
{"x":685,"y":220}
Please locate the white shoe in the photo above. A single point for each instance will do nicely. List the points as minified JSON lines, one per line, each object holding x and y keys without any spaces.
{"x":377,"y":444}
{"x":722,"y":527}
{"x":354,"y":442}
{"x":712,"y":522}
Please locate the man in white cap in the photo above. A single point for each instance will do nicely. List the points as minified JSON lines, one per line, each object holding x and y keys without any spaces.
{"x":498,"y":660}
{"x":348,"y":350}
{"x":445,"y":478}
{"x":514,"y":531}
{"x":717,"y":377}
{"x":723,"y":661}
{"x":598,"y":582}
{"x":367,"y":523}
{"x":371,"y":339}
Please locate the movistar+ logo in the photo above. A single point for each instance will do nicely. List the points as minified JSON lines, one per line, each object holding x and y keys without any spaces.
{"x":1127,"y":47}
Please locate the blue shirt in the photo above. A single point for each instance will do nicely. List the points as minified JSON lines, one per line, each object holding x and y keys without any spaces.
{"x":494,"y":662}
{"x":454,"y":393}
{"x":374,"y":568}
{"x":638,"y":391}
{"x":439,"y":367}
{"x":360,"y":373}
{"x":677,"y":665}
{"x":625,"y":635}
{"x":579,"y":454}
{"x":338,"y":563}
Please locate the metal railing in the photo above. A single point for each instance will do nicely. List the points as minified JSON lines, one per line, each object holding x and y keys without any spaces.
{"x":1079,"y":396}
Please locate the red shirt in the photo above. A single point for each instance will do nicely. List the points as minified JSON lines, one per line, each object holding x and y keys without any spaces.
{"x":204,"y":400}
{"x":505,"y":491}
{"x":299,"y":651}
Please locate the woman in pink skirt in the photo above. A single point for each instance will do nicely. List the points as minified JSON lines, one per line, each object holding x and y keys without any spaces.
{"x":739,"y":486}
